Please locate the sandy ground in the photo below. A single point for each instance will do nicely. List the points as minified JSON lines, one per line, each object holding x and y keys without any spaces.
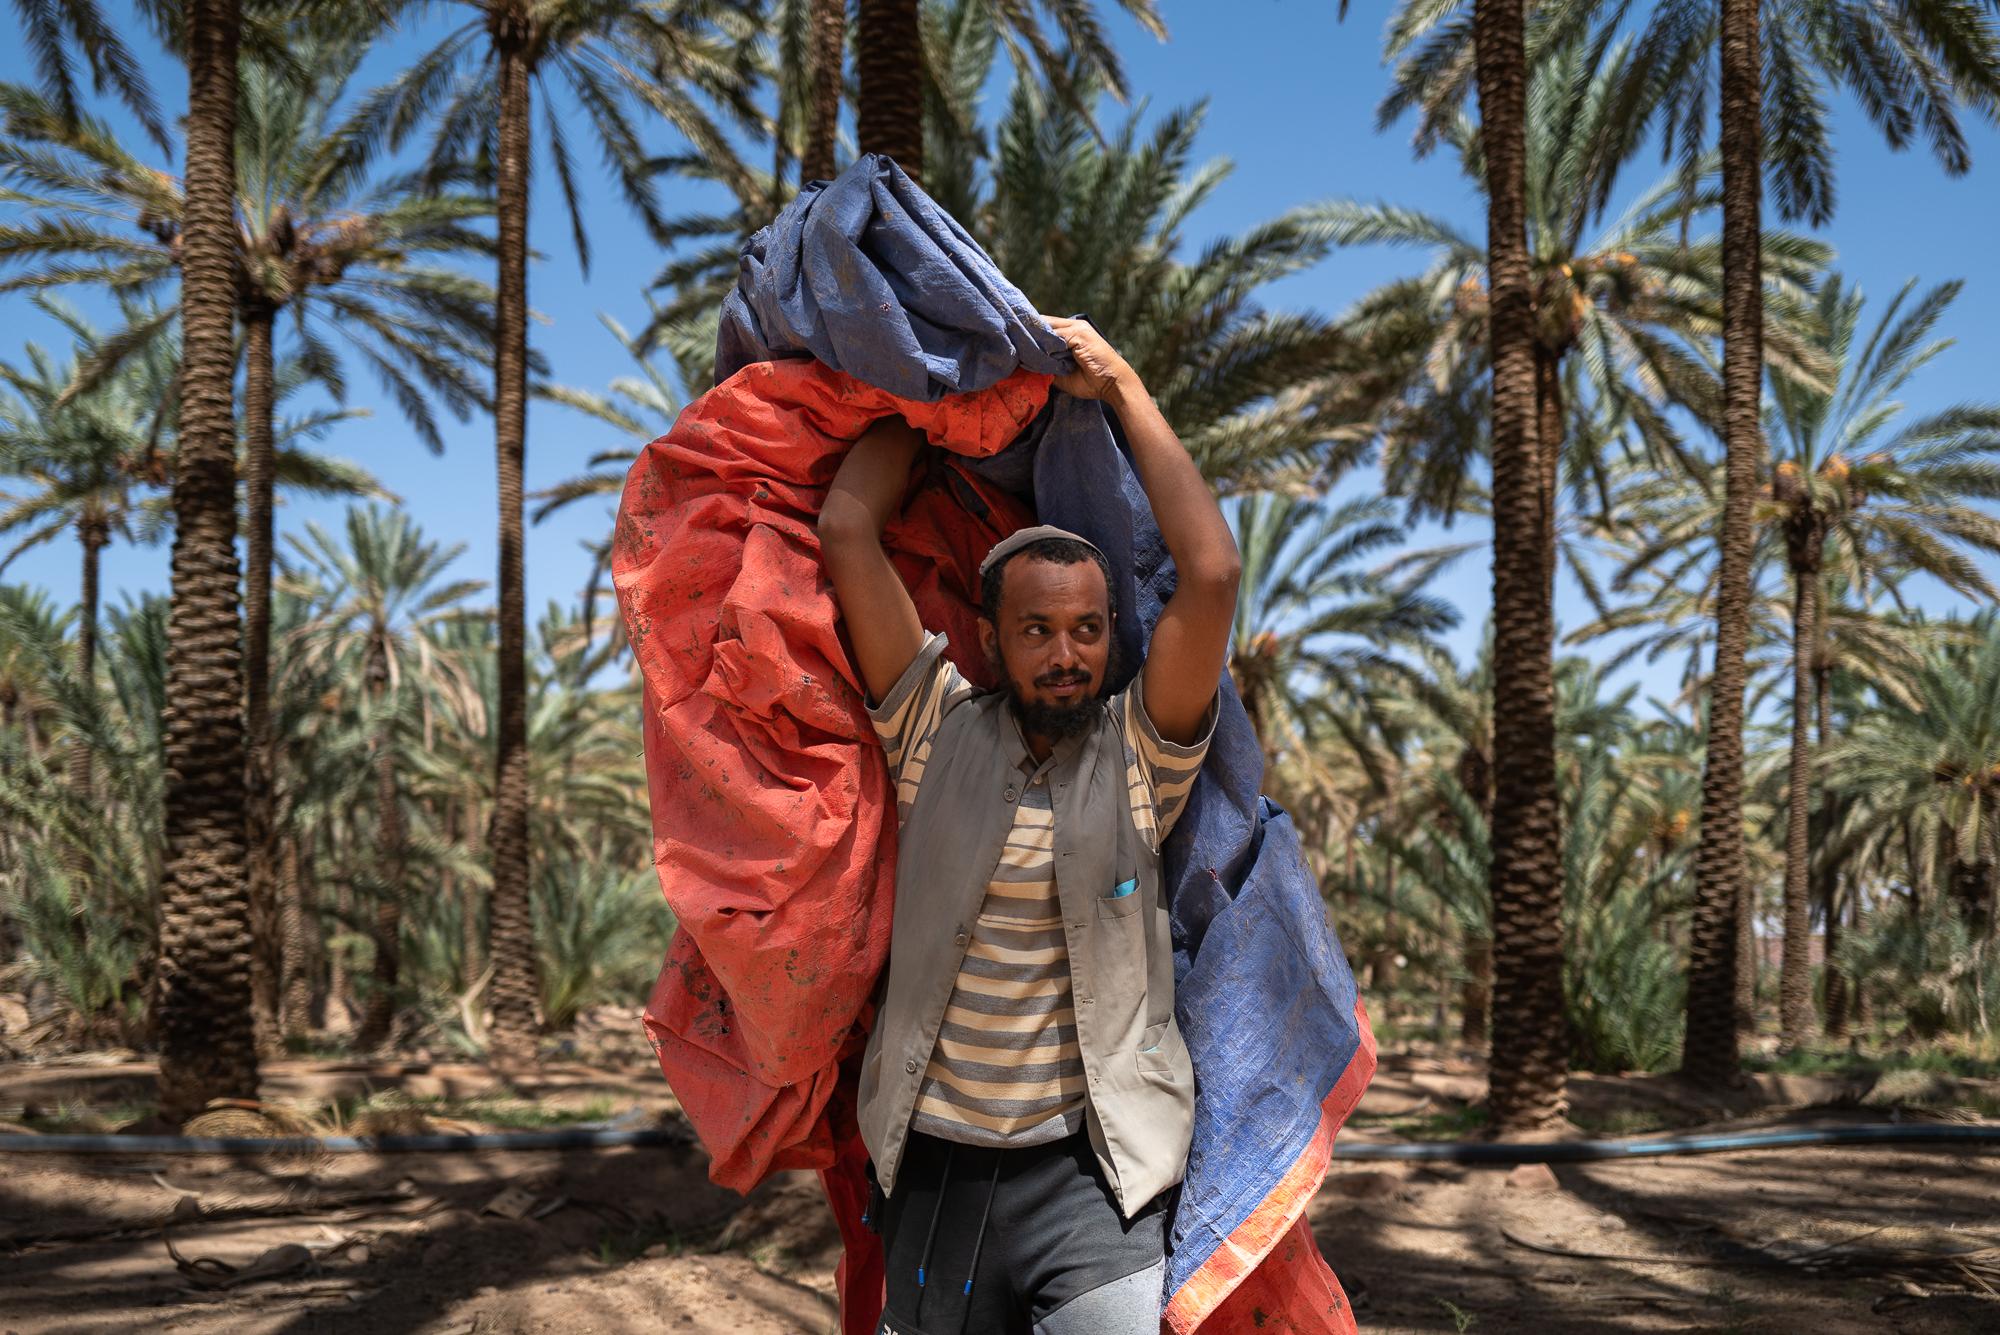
{"x":638,"y":1240}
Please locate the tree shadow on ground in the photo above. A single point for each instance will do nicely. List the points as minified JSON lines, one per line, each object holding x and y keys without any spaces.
{"x":1771,"y":1241}
{"x":87,"y":1251}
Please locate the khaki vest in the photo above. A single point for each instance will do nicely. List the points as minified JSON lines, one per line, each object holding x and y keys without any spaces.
{"x":1139,"y":1083}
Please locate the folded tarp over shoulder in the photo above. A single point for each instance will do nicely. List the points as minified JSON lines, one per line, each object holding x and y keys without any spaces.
{"x":773,"y":818}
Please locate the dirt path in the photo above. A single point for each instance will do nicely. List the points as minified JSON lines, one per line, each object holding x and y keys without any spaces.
{"x":638,"y":1240}
{"x":610,"y":1241}
{"x":1780,"y":1241}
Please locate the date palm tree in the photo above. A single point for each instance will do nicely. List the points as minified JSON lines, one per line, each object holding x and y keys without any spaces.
{"x":376,"y":600}
{"x":342,"y":253}
{"x":889,"y":77}
{"x":1911,"y":67}
{"x":207,"y":1040}
{"x":1666,"y":572}
{"x":676,"y":60}
{"x":1898,"y":81}
{"x":1431,"y":871}
{"x":1528,"y":1075}
{"x":207,"y":1047}
{"x":1857,"y":490}
{"x":1624,"y":310}
{"x":321,"y":239}
{"x":92,"y":463}
{"x":1936,"y":763}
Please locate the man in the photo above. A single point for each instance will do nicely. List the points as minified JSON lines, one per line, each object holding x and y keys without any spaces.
{"x":1025,"y":1096}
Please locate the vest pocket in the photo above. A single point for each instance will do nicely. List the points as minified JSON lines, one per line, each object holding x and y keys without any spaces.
{"x":1119,"y":906}
{"x":1157,"y":1044}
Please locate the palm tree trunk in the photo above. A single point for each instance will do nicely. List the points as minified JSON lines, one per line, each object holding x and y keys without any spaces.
{"x":1749,"y":959}
{"x":1857,"y":921}
{"x":829,"y":62}
{"x":889,"y":58}
{"x":1795,"y":1008}
{"x":207,"y":1047}
{"x":471,"y":926}
{"x":1476,"y":997}
{"x":1710,"y":1055}
{"x":378,"y":1018}
{"x":513,"y":943}
{"x":1838,"y":1010}
{"x":1529,"y":1066}
{"x":1549,"y":438}
{"x":295,"y":1013}
{"x":259,"y":462}
{"x":93,"y":534}
{"x":339,"y":983}
{"x":1822,"y":699}
{"x":1839,"y":995}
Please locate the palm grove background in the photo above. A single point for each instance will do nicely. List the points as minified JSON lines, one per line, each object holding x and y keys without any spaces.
{"x":334,"y":791}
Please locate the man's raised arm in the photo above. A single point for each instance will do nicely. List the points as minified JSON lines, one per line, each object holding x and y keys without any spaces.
{"x":882,"y":622}
{"x":1191,"y":640}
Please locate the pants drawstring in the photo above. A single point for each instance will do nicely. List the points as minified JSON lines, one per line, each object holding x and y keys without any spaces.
{"x":937,"y":1208}
{"x":978,"y":1241}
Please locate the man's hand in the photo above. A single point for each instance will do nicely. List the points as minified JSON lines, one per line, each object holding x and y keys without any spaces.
{"x":1100,"y":372}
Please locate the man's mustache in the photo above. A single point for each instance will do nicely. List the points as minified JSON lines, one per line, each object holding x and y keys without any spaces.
{"x":1063,"y":679}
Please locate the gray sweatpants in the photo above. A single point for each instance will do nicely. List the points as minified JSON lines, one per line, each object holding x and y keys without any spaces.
{"x":981,"y":1241}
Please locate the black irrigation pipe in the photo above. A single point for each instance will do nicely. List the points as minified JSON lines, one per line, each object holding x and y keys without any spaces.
{"x":575,"y":1138}
{"x":1453,"y":1151}
{"x":1663,"y":1147}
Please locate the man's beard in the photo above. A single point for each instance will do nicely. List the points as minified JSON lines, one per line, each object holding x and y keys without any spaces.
{"x":1051,"y":721}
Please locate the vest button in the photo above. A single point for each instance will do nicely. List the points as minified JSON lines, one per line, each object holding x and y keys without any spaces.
{"x":958,"y":940}
{"x":910,"y":1066}
{"x":1009,"y":794}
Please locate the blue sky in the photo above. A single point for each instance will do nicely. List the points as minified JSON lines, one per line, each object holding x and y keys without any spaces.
{"x":1292,"y":96}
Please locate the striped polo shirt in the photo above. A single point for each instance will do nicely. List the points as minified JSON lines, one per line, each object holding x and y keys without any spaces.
{"x":1006,"y":1069}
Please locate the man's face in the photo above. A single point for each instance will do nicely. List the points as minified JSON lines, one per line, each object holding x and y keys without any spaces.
{"x":1053,"y":642}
